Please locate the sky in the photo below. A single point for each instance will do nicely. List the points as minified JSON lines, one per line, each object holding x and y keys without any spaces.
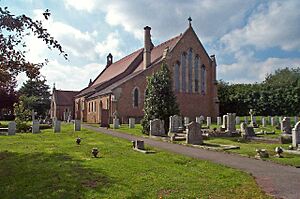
{"x":250,"y":39}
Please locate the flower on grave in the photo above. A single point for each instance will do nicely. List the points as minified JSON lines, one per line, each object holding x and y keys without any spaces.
{"x":78,"y":140}
{"x":95,"y":152}
{"x":279,"y":151}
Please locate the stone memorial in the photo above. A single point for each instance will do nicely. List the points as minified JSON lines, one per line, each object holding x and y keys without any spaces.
{"x":247,"y":131}
{"x":131,"y":123}
{"x":208,"y":121}
{"x":263,"y":122}
{"x":246,"y":120}
{"x":230,"y":123}
{"x":296,"y":135}
{"x":175,"y":124}
{"x":186,"y":121}
{"x":194,"y":134}
{"x":225,"y":118}
{"x":296,"y":119}
{"x":35,"y":126}
{"x":198,"y":120}
{"x":202,"y":118}
{"x":286,"y":125}
{"x":219,"y":121}
{"x":272,"y":121}
{"x":237,"y":120}
{"x":12,"y":127}
{"x":57,"y":126}
{"x":157,"y":127}
{"x":139,"y":144}
{"x":116,"y":123}
{"x":77,"y":125}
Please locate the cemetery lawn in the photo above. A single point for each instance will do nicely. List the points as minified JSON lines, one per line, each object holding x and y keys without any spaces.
{"x":248,"y":148}
{"x":49,"y":165}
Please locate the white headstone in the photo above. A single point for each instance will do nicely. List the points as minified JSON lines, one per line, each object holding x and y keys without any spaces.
{"x":286,"y":125}
{"x":157,"y":127}
{"x":194,"y":134}
{"x":35,"y":126}
{"x":219,"y":121}
{"x":77,"y":125}
{"x":208,"y":121}
{"x":296,"y":135}
{"x":263,"y":121}
{"x":272,"y":121}
{"x":202,"y":118}
{"x":186,"y":121}
{"x":131,"y":123}
{"x":12,"y":127}
{"x":237,"y":120}
{"x":230,"y":123}
{"x":246,"y":120}
{"x":116,"y":123}
{"x":57,"y":126}
{"x":296,"y":119}
{"x":198,"y":120}
{"x":225,"y":118}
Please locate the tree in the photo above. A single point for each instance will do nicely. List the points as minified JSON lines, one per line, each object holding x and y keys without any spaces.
{"x":22,"y":111}
{"x":8,"y":97}
{"x":13,"y":30}
{"x":160,"y":101}
{"x":39,"y":91}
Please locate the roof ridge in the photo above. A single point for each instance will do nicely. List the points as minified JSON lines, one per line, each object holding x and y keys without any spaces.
{"x":127,"y":56}
{"x":168,"y":40}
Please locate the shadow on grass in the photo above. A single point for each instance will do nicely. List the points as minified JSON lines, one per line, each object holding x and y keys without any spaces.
{"x":42,"y":175}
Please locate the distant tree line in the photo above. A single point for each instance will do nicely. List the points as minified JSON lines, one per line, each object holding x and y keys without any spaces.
{"x":278,"y":94}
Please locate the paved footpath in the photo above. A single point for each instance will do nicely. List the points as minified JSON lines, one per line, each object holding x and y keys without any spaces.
{"x":277,"y":180}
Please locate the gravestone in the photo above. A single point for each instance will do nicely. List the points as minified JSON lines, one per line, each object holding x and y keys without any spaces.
{"x":237,"y":120}
{"x":57,"y":126}
{"x":263,"y":122}
{"x":198,"y":120}
{"x":35,"y":126}
{"x":246,"y":120}
{"x":116,"y":123}
{"x":225,"y":118}
{"x":296,"y":135}
{"x":139,"y":144}
{"x":269,"y":120}
{"x":296,"y":119}
{"x":12,"y":127}
{"x":247,"y":131}
{"x":131,"y":123}
{"x":186,"y":121}
{"x":286,"y":125}
{"x":202,"y":118}
{"x":219,"y":121}
{"x":194,"y":134}
{"x":77,"y":125}
{"x":175,"y":124}
{"x":208,"y":121}
{"x":230,"y":123}
{"x":272,"y":121}
{"x":157,"y":127}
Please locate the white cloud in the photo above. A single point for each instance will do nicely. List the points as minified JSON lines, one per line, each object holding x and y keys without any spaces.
{"x":110,"y":45}
{"x":275,"y":26}
{"x":86,"y":5}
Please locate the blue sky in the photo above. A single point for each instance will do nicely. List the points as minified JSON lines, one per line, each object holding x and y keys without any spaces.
{"x":250,"y":38}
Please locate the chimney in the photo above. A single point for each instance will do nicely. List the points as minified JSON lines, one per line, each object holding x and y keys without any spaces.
{"x":109,"y":60}
{"x":147,"y":47}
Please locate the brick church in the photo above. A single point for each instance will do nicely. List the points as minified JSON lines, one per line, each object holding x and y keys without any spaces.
{"x":120,"y":88}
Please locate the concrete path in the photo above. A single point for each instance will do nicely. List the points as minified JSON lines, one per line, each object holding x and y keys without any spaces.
{"x":277,"y":180}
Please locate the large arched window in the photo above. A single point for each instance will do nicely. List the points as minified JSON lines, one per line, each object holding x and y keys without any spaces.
{"x":176,"y":76}
{"x":203,"y":80}
{"x":196,"y":66}
{"x":136,"y":94}
{"x":190,"y":70}
{"x":183,"y":72}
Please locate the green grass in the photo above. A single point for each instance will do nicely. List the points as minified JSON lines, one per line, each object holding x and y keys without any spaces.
{"x":49,"y":165}
{"x":248,"y":149}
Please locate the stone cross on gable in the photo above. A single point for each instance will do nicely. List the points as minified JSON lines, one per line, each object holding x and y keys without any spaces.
{"x":190,"y":21}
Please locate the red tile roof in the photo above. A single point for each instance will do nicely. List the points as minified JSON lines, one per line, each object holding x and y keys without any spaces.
{"x":64,"y":98}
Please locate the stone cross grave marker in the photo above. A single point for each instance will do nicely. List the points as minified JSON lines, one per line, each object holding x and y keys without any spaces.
{"x":77,"y":125}
{"x":157,"y":127}
{"x":194,"y":134}
{"x":296,"y":135}
{"x":237,"y":120}
{"x":263,"y":121}
{"x":12,"y":127}
{"x":131,"y":123}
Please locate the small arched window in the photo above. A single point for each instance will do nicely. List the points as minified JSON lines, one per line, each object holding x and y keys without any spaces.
{"x":136,"y":97}
{"x":176,"y":76}
{"x":183,"y":72}
{"x":203,"y":80}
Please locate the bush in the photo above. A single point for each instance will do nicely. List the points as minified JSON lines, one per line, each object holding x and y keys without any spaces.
{"x":22,"y":127}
